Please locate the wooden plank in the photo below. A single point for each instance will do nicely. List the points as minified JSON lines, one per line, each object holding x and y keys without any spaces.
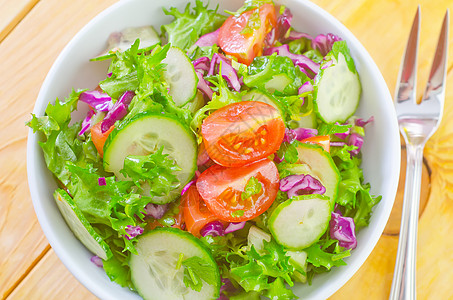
{"x":57,"y":284}
{"x":27,"y":55}
{"x":12,"y":13}
{"x":382,"y":27}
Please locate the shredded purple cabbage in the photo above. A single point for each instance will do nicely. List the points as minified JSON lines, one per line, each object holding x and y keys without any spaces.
{"x":337,"y":144}
{"x":133,"y":231}
{"x":102,"y":181}
{"x":279,"y":31}
{"x":234,"y":226}
{"x":343,"y":135}
{"x":215,"y":228}
{"x":300,"y":60}
{"x":202,"y":64}
{"x":155,"y":210}
{"x":98,"y":100}
{"x":355,"y":140}
{"x":222,"y":64}
{"x":305,"y":88}
{"x":186,"y":187}
{"x":118,"y":111}
{"x":303,"y":184}
{"x":227,"y":286}
{"x":209,"y":39}
{"x":299,"y":134}
{"x":343,"y":230}
{"x":278,"y":159}
{"x":86,"y":123}
{"x":294,"y":35}
{"x":324,"y":43}
{"x":97,"y":261}
{"x":203,"y":85}
{"x":362,"y":122}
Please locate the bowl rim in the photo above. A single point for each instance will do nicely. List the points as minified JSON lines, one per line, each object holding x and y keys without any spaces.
{"x":78,"y":271}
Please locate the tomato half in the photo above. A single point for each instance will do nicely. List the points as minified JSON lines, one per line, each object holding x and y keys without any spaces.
{"x":322,"y":140}
{"x":242,"y":132}
{"x":196,"y":214}
{"x":98,"y":137}
{"x":221,"y":188}
{"x":246,"y":45}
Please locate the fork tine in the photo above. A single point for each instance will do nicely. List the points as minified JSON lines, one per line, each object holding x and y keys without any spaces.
{"x":438,"y":74}
{"x":407,"y":77}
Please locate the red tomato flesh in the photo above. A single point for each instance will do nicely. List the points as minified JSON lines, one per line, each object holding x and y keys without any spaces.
{"x":245,"y":46}
{"x":196,"y":214}
{"x":242,"y":132}
{"x":221,"y":189}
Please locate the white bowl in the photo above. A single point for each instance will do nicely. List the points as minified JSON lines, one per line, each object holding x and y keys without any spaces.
{"x":72,"y":69}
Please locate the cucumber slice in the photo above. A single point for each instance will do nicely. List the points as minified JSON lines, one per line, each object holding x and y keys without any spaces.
{"x":278,"y":83}
{"x":180,"y":75}
{"x":146,"y":133}
{"x":337,"y":91}
{"x":299,"y":222}
{"x":121,"y":41}
{"x":298,"y":259}
{"x":322,"y":167}
{"x":80,"y":226}
{"x":155,"y":272}
{"x":258,"y":95}
{"x":308,"y":121}
{"x":197,"y":103}
{"x":256,"y":237}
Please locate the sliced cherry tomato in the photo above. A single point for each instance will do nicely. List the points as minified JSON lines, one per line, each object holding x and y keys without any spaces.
{"x":242,"y":132}
{"x":246,"y":45}
{"x":322,"y":140}
{"x":99,"y":138}
{"x":196,"y":214}
{"x":221,"y":188}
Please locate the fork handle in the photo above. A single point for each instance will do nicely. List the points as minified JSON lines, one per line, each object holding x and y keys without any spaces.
{"x":403,"y":285}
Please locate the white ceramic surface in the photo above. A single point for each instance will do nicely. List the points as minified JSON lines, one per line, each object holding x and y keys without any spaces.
{"x":72,"y":69}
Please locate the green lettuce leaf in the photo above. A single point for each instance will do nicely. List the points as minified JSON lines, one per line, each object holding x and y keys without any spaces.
{"x":264,"y":68}
{"x":196,"y":270}
{"x":187,"y":27}
{"x":155,"y":169}
{"x":353,"y":193}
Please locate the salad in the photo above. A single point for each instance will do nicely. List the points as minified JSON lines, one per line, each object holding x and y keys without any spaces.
{"x":219,"y":159}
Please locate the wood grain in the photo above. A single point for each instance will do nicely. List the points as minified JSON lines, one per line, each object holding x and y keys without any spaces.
{"x":29,"y":270}
{"x":11,"y":13}
{"x":57,"y":284}
{"x":27,"y":54}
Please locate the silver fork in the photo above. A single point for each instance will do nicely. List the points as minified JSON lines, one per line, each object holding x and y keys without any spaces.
{"x":417,"y":122}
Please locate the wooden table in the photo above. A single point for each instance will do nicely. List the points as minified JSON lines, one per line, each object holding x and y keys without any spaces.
{"x":32,"y":34}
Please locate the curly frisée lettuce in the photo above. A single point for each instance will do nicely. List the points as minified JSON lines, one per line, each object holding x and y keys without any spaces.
{"x":130,"y":172}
